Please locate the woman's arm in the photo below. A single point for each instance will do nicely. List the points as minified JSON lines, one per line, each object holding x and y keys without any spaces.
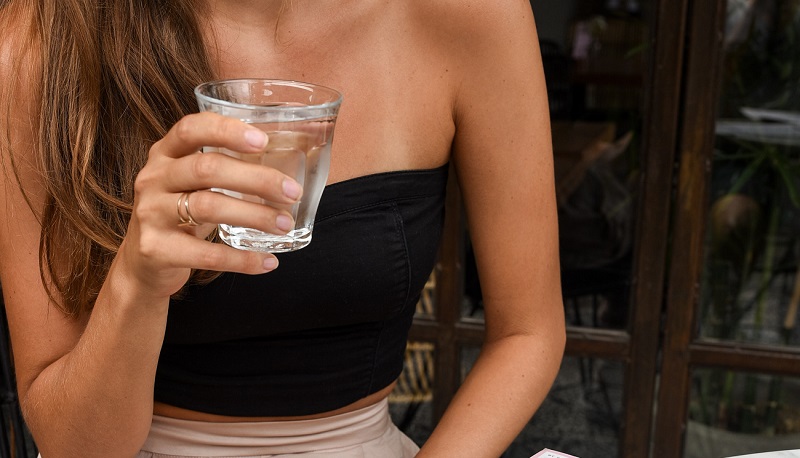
{"x":86,"y":384}
{"x":503,"y":158}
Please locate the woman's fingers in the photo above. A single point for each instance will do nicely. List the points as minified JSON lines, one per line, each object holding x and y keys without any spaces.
{"x":197,"y":130}
{"x":174,"y":208}
{"x":216,"y":170}
{"x":183,"y":250}
{"x":192,"y":171}
{"x":214,"y":207}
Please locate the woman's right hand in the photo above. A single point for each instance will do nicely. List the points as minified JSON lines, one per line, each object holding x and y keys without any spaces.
{"x":86,"y":382}
{"x":158,"y":252}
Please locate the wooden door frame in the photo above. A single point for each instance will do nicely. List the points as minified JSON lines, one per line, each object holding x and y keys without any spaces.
{"x":682,"y":349}
{"x":661,"y":121}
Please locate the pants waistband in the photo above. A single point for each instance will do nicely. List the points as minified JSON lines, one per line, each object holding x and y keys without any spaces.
{"x":171,"y":436}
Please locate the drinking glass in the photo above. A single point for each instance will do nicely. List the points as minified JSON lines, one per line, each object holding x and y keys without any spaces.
{"x":299,"y":119}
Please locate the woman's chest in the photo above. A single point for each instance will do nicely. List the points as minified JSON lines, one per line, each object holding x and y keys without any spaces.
{"x":398,"y":96}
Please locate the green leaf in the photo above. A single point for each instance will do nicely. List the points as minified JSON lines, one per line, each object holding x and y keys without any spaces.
{"x":748,"y":173}
{"x":790,"y":177}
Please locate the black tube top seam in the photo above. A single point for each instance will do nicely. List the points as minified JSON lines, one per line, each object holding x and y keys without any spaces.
{"x":401,"y":232}
{"x":374,"y":362}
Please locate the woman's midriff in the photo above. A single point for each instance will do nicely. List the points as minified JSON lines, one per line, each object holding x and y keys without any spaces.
{"x":167,"y":410}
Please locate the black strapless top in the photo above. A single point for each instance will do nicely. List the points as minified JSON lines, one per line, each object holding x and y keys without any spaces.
{"x":329,"y":326}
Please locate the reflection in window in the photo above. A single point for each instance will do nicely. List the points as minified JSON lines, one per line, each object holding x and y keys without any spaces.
{"x":581,"y":415}
{"x":593,"y":53}
{"x":734,"y":413}
{"x":595,"y":74}
{"x":750,"y":289}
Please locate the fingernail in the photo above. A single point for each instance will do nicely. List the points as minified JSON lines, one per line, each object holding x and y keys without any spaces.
{"x":291,"y":189}
{"x":284,"y":223}
{"x":270,"y":263}
{"x":255,"y":138}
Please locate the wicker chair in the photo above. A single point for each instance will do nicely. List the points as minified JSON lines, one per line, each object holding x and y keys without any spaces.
{"x":414,"y":387}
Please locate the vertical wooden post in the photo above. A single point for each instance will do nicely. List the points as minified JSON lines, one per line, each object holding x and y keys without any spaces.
{"x":695,"y":154}
{"x":661,"y":122}
{"x":449,"y":293}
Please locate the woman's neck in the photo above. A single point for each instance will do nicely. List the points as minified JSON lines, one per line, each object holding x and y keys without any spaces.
{"x":259,"y":14}
{"x":240,"y":35}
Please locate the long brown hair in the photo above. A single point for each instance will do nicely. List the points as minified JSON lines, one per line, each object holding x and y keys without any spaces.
{"x":116,"y":74}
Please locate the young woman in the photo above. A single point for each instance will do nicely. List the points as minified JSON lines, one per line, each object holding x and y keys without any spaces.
{"x":134,"y":334}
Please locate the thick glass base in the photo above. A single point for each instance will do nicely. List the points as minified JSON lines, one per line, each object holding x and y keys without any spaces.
{"x":243,"y":238}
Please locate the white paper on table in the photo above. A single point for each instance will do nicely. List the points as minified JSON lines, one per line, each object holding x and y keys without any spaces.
{"x":547,"y":453}
{"x":779,"y":454}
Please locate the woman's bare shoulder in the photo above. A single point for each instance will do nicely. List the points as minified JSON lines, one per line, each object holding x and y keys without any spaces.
{"x":474,"y":19}
{"x":477,"y":36}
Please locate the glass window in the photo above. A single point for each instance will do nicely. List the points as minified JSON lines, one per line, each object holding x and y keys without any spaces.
{"x":750,"y":290}
{"x":581,"y":415}
{"x":595,"y":73}
{"x":735,"y":413}
{"x":594,"y":54}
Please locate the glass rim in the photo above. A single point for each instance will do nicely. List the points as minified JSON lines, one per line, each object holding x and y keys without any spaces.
{"x":278,"y":82}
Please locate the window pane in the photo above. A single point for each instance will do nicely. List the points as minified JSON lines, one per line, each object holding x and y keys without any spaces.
{"x":735,"y":413}
{"x":594,"y":54}
{"x":580,"y":416}
{"x":750,"y":290}
{"x":595,"y":68}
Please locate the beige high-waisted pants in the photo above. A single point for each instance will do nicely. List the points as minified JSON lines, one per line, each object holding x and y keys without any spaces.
{"x":368,"y":433}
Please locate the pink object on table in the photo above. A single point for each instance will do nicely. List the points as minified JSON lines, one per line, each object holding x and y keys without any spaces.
{"x":547,"y":453}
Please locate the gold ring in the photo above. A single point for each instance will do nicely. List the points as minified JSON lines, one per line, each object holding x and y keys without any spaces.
{"x":184,"y":215}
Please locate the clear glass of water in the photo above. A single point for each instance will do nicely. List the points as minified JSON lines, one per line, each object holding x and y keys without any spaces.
{"x":299,"y":119}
